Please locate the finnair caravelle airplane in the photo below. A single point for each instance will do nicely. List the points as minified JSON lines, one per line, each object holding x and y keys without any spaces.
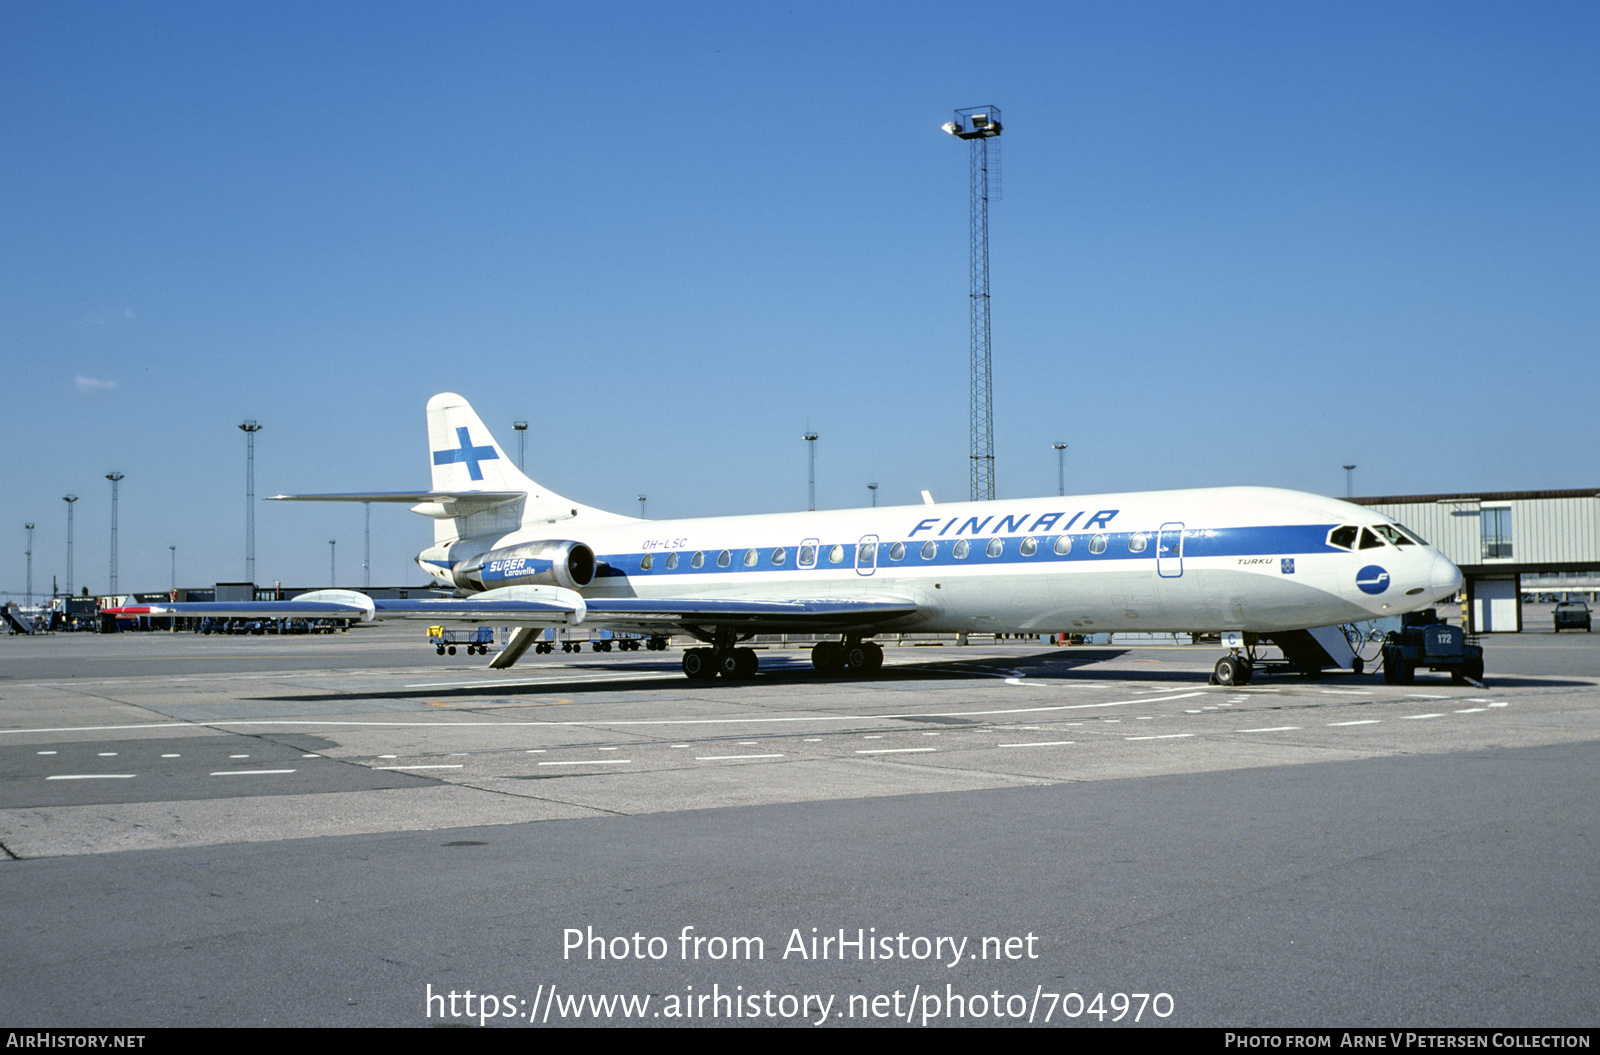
{"x":1252,"y":563}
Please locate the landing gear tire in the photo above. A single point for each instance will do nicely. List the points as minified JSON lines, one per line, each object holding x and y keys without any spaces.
{"x":863,"y":658}
{"x":1357,"y":666}
{"x":738,"y":664}
{"x":828,"y":657}
{"x":698,"y":664}
{"x":1232,"y":670}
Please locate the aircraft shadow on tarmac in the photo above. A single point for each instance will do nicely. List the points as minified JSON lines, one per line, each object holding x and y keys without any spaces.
{"x":779,"y":669}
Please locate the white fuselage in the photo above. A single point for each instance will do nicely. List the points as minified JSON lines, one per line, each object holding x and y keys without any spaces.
{"x":1237,"y":558}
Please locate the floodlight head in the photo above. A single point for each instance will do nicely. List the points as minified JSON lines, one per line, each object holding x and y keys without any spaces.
{"x":951,"y":127}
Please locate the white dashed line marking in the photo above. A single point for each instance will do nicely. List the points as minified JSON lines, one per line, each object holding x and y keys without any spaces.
{"x":250,"y":772}
{"x":593,"y":762}
{"x":441,"y":765}
{"x":724,"y":758}
{"x":92,"y":776}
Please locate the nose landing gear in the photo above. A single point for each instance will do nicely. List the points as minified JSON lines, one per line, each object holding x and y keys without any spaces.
{"x":1232,"y":669}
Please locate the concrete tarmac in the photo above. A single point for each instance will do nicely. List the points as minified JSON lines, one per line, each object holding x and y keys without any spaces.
{"x":347,"y":830}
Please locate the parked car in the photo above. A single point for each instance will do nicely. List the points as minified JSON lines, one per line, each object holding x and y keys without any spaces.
{"x":1572,"y":615}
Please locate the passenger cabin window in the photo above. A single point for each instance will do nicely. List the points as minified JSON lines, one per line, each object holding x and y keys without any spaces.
{"x":1137,"y":542}
{"x":724,"y":558}
{"x":672,"y":562}
{"x":644,"y":565}
{"x":960,"y":550}
{"x":807,"y":556}
{"x":836,"y":555}
{"x":897,"y":551}
{"x":996,"y":547}
{"x":1029,"y":547}
{"x":866,"y":555}
{"x":930,"y":550}
{"x":1097,"y":544}
{"x":750,"y":557}
{"x":1344,"y":536}
{"x":698,"y":560}
{"x":779,"y":556}
{"x":1063,"y":545}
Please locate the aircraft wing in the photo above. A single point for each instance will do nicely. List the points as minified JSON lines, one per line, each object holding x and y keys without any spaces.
{"x":554,"y":606}
{"x":526,"y":605}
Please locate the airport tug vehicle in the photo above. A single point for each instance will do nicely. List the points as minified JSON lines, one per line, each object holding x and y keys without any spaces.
{"x":1424,"y":641}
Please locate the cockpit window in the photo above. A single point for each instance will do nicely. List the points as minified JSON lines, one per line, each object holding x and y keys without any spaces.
{"x":1395,"y":536}
{"x":1369,"y":540}
{"x":1343,"y":536}
{"x":1418,"y":539}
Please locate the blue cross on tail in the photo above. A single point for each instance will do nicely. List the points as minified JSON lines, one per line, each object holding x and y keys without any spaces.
{"x":466,"y":453}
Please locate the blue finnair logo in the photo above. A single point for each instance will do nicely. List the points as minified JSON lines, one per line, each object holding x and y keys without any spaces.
{"x":1372,"y":579}
{"x":466,"y":453}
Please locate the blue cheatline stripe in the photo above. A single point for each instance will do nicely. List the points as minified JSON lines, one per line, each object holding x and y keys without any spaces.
{"x":1289,"y":540}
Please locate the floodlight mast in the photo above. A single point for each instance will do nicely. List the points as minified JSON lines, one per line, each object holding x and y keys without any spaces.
{"x":250,"y":428}
{"x":977,"y":125}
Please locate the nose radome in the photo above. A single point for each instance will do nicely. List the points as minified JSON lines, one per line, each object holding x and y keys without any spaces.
{"x":1444,"y":578}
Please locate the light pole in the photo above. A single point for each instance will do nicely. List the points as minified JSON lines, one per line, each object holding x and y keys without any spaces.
{"x":1349,"y":481}
{"x":522,"y":443}
{"x":1061,"y":467}
{"x":641,"y":507}
{"x":115,"y":479}
{"x":174,"y":550}
{"x":29,"y":600}
{"x":977,"y":125}
{"x":250,"y":428}
{"x":333,"y":579}
{"x":811,"y":455}
{"x":69,"y":499}
{"x":366,"y":557}
{"x":874,"y":489}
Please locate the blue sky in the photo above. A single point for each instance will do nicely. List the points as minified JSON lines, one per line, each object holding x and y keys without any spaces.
{"x":1237,"y":243}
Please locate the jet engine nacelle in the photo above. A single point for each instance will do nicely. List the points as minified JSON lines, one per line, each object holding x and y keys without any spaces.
{"x":556,"y":562}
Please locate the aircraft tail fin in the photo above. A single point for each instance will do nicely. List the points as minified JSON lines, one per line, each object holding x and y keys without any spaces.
{"x":465,"y":459}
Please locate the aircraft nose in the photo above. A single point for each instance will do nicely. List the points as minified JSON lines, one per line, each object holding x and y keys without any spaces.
{"x":1444,"y":578}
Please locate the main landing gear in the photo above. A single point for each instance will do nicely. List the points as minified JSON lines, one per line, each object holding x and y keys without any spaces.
{"x":847,"y":657}
{"x":850,"y":656}
{"x":735,"y":664}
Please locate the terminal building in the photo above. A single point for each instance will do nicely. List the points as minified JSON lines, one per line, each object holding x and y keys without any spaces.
{"x":1509,"y":545}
